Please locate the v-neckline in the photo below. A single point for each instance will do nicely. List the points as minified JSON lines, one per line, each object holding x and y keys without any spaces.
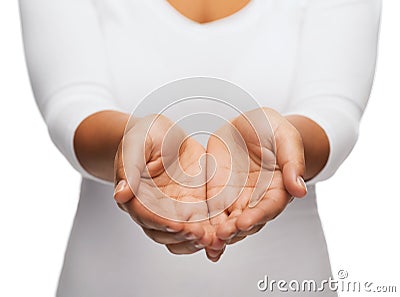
{"x":247,"y":15}
{"x":207,"y":22}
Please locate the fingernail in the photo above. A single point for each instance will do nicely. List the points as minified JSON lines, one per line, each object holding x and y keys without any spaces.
{"x":231,"y":236}
{"x":214,"y":259}
{"x":120,"y":186}
{"x":169,"y":229}
{"x":248,"y":229}
{"x":190,"y":236}
{"x":199,"y":245}
{"x":214,"y":254}
{"x":301,"y":183}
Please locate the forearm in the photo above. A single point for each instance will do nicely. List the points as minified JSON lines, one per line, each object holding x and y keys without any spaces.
{"x":98,"y":136}
{"x":96,"y":142}
{"x":316,"y":144}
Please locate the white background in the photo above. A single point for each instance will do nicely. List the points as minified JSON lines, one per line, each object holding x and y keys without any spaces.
{"x":359,"y":206}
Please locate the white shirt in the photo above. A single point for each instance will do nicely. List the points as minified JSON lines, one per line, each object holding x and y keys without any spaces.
{"x":310,"y":57}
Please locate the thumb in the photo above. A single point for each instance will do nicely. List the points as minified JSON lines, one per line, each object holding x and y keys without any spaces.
{"x":129,"y":164}
{"x":122,"y":192}
{"x":290,"y":159}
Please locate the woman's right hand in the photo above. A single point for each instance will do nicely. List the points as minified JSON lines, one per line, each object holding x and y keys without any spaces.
{"x":158,"y":170}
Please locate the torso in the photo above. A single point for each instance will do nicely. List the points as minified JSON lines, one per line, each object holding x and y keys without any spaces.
{"x":205,"y":11}
{"x":148,"y":44}
{"x":242,"y":48}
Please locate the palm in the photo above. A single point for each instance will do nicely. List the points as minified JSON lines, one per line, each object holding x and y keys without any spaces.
{"x":242,"y":188}
{"x":250,"y":177}
{"x":167,"y":186}
{"x":174,"y":188}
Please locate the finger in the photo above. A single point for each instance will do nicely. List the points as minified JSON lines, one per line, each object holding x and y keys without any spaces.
{"x":227,"y":230}
{"x":214,"y":256}
{"x":252,"y":231}
{"x":236,"y":239}
{"x":165,"y":237}
{"x":148,"y":219}
{"x":131,"y":161}
{"x":217,"y":243}
{"x":236,"y":235}
{"x":240,"y":235}
{"x":290,"y":158}
{"x":200,"y":231}
{"x":216,"y":247}
{"x":122,"y":192}
{"x":219,"y":219}
{"x":183,"y":248}
{"x":272,"y":204}
{"x":208,"y":239}
{"x":197,"y":231}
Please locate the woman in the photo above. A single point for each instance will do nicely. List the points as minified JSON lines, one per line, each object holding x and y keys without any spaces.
{"x":309,"y":62}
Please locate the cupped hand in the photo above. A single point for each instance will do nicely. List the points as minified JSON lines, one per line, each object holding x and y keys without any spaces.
{"x":260,"y":164}
{"x":160,"y":181}
{"x":255,"y":165}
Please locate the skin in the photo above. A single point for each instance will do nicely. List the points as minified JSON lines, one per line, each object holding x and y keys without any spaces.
{"x":302,"y":150}
{"x":204,"y":11}
{"x":155,"y":148}
{"x":264,"y":178}
{"x":102,"y":156}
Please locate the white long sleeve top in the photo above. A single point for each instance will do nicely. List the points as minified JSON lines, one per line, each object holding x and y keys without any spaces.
{"x":309,"y":57}
{"x":314,"y":58}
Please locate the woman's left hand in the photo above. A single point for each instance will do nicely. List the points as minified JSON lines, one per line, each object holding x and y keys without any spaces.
{"x":259,"y":158}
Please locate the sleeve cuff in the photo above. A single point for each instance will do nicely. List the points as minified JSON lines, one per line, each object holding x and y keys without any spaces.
{"x":66,"y":110}
{"x":339,"y":118}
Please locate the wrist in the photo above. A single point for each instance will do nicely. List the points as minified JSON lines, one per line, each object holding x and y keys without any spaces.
{"x":315,"y":142}
{"x":96,"y":142}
